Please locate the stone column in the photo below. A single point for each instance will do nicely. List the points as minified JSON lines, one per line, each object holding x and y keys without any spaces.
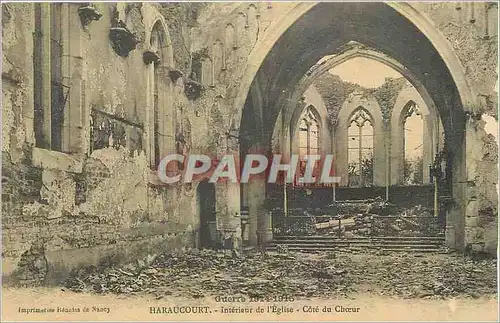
{"x":73,"y":65}
{"x":265,"y":228}
{"x":378,"y":154}
{"x":228,"y":212}
{"x":166,"y":113}
{"x":397,"y":153}
{"x":325,"y":137}
{"x":387,"y":155}
{"x":341,"y":153}
{"x":428,"y":147}
{"x":256,"y":210}
{"x":455,"y":217}
{"x":46,"y":77}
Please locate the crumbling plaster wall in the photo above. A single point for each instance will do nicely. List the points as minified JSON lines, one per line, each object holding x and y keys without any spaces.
{"x":214,"y":21}
{"x":17,"y":84}
{"x":103,"y":201}
{"x":464,"y":26}
{"x":471,"y":29}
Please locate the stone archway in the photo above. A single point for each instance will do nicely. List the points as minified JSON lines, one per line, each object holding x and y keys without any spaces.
{"x":422,"y":23}
{"x":357,"y":50}
{"x":411,"y":40}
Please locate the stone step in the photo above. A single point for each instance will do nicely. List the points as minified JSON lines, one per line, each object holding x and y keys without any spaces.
{"x":408,"y":243}
{"x":365,"y":244}
{"x":391,"y":243}
{"x":326,"y":237}
{"x":361,"y":240}
{"x":410,"y":238}
{"x":276,"y":238}
{"x":408,"y":246}
{"x":315,"y":249}
{"x":323,"y":241}
{"x":325,"y":244}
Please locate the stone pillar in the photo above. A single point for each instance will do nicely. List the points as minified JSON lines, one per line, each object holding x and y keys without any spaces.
{"x":325,"y":137}
{"x":228,"y":197}
{"x":265,"y":228}
{"x":397,"y":153}
{"x":428,"y":147}
{"x":387,"y":155}
{"x":455,"y":219}
{"x":166,"y":111}
{"x":46,"y":77}
{"x":260,"y":229}
{"x":449,"y":237}
{"x":286,"y":147}
{"x":73,"y":65}
{"x":378,"y":154}
{"x":341,"y":156}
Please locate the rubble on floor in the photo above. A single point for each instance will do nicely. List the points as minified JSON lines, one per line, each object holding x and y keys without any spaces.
{"x":358,"y":218}
{"x":206,"y":273}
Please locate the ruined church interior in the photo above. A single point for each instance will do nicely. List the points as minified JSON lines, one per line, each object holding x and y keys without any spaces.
{"x":403,"y":95}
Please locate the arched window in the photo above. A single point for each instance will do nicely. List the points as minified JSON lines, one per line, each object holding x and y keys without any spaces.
{"x":309,"y":133}
{"x":219,"y":60}
{"x":360,"y":148}
{"x":231,"y":43}
{"x":308,"y":139}
{"x":413,"y":126}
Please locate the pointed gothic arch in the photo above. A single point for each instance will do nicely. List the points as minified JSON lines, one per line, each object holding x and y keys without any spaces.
{"x":360,"y":146}
{"x":433,"y":134}
{"x":413,"y":139}
{"x":361,"y":109}
{"x":308,"y":129}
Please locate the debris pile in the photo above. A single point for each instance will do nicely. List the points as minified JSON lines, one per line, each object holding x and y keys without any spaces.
{"x":207,"y":273}
{"x":363,"y":224}
{"x":417,"y":210}
{"x":436,"y":277}
{"x":361,"y":218}
{"x":199,"y":273}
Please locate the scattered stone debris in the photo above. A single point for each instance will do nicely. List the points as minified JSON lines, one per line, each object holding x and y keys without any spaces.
{"x":32,"y":266}
{"x":205,"y":273}
{"x":361,"y":218}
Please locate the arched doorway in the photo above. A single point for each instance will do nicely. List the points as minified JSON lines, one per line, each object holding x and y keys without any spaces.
{"x":208,"y":215}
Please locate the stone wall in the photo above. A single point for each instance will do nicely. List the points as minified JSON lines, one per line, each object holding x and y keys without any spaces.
{"x":472,"y":31}
{"x":100,"y":200}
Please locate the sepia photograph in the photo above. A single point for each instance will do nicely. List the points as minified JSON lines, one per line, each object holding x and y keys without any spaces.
{"x":249,"y":161}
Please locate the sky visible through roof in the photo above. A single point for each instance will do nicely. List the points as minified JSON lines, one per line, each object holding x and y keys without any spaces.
{"x":365,"y":72}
